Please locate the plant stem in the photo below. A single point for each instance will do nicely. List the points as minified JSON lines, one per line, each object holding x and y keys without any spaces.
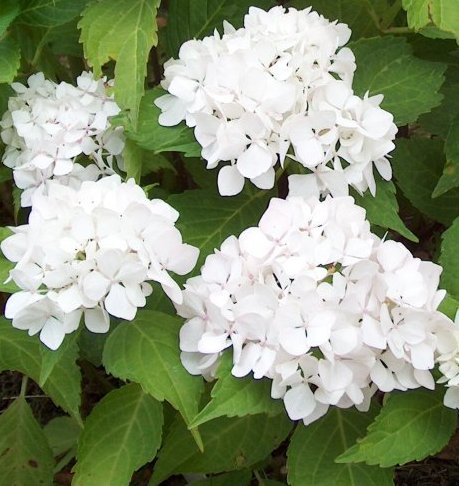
{"x":24,"y":382}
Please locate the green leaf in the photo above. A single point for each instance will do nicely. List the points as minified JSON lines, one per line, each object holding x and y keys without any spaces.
{"x":132,"y":156}
{"x":382,"y":209}
{"x":410,"y":426}
{"x":418,"y":164}
{"x":449,"y":259}
{"x":449,"y":307}
{"x":125,"y":32}
{"x":313,"y":449}
{"x":48,"y":13}
{"x":67,"y":351}
{"x":386,"y":65}
{"x":229,"y":444}
{"x":62,"y":434}
{"x":355,"y":13}
{"x":450,"y":176}
{"x":207,"y":218}
{"x":10,"y":57}
{"x":5,"y":266}
{"x":25,"y":456}
{"x":21,"y":352}
{"x":237,"y":397}
{"x":440,"y":119}
{"x":122,"y":433}
{"x":10,"y":10}
{"x":239,"y":478}
{"x":146,"y":351}
{"x":194,"y":19}
{"x":442,"y":13}
{"x":150,"y":135}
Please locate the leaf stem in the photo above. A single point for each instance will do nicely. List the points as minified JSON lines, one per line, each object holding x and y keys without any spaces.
{"x":24,"y":383}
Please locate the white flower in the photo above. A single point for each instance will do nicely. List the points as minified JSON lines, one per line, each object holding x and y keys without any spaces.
{"x":48,"y":126}
{"x":311,"y":299}
{"x":279,"y":87}
{"x":92,"y":251}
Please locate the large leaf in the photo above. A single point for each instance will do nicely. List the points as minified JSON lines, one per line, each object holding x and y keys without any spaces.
{"x":62,"y":434}
{"x":229,"y":444}
{"x":358,"y":14}
{"x":10,"y":57}
{"x":450,"y":176}
{"x":386,"y":65}
{"x":449,"y":259}
{"x":146,"y":351}
{"x":25,"y":456}
{"x":122,"y":433}
{"x":150,"y":135}
{"x":313,"y":450}
{"x":237,"y":397}
{"x":239,"y":478}
{"x":382,"y":209}
{"x":123,"y":31}
{"x":21,"y":352}
{"x":443,"y":14}
{"x":418,"y":164}
{"x":49,"y":13}
{"x":10,"y":10}
{"x":410,"y":426}
{"x":194,"y":19}
{"x":206,"y":218}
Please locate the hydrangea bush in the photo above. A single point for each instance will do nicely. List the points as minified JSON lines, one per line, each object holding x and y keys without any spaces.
{"x":185,"y":325}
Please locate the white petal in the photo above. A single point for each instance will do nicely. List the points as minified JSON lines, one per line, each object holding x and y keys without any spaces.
{"x":230,"y":181}
{"x":299,"y":402}
{"x":118,"y":305}
{"x":97,"y":320}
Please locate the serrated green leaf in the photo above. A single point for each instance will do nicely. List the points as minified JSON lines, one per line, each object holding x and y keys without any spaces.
{"x":146,"y":351}
{"x":66,"y":352}
{"x":313,"y":449}
{"x":237,"y":397}
{"x":229,"y":444}
{"x":150,"y":135}
{"x":122,"y":433}
{"x":194,"y":19}
{"x":62,"y":434}
{"x":444,"y":14}
{"x":125,"y":32}
{"x":49,"y":13}
{"x":21,"y":352}
{"x":382,"y":209}
{"x":355,"y":13}
{"x":386,"y":65}
{"x":410,"y":426}
{"x":450,"y":177}
{"x":25,"y":456}
{"x":239,"y":478}
{"x":449,"y":259}
{"x":418,"y":164}
{"x":206,"y":218}
{"x":10,"y":57}
{"x":449,"y":307}
{"x":9,"y":11}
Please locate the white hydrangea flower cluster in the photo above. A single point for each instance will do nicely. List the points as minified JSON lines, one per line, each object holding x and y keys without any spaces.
{"x":279,"y":87}
{"x":91,"y":251}
{"x":48,"y":126}
{"x":316,"y":302}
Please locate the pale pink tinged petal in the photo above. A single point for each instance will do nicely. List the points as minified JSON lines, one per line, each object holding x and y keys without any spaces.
{"x":230,"y":181}
{"x":253,"y":242}
{"x":185,"y":261}
{"x":95,"y":286}
{"x":118,"y":305}
{"x":299,"y":402}
{"x":451,"y":398}
{"x":266,"y":180}
{"x":52,"y":334}
{"x":97,"y":320}
{"x":213,"y":343}
{"x":19,"y":301}
{"x":294,"y":341}
{"x":190,"y":334}
{"x":372,"y":333}
{"x":255,"y":161}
